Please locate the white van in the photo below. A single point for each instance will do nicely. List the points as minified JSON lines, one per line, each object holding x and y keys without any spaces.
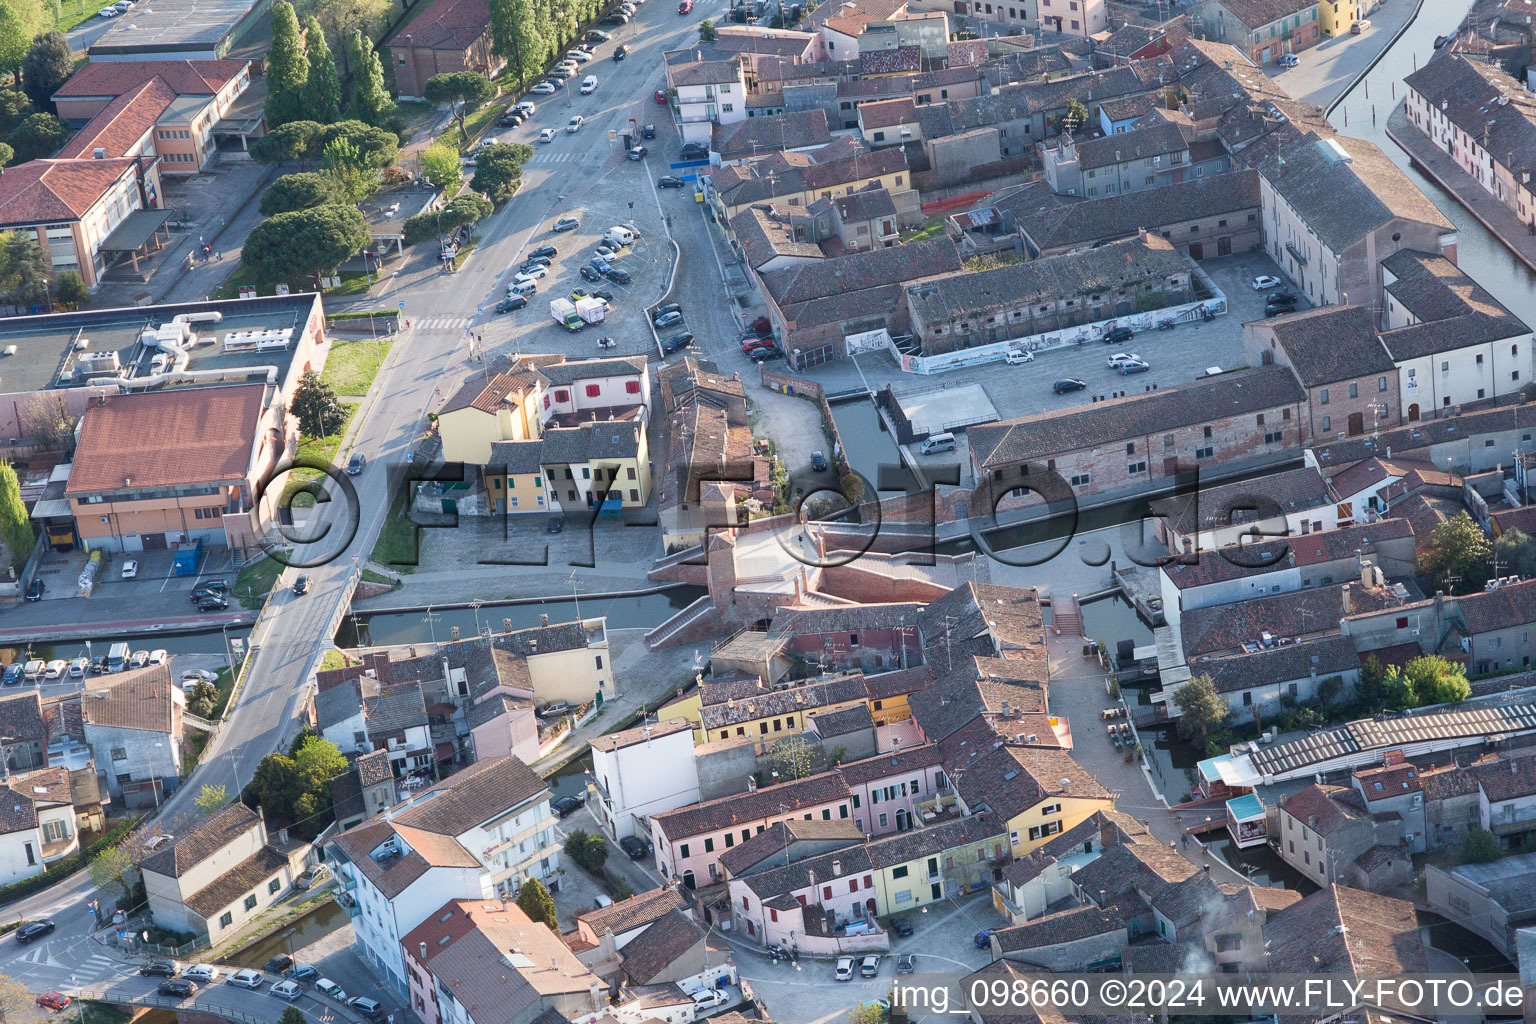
{"x":523,"y":288}
{"x":1015,"y":356}
{"x":589,"y":85}
{"x":937,"y":443}
{"x":117,"y":657}
{"x":618,"y":236}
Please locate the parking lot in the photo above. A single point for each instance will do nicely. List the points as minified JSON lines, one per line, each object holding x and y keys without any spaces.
{"x":152,"y":585}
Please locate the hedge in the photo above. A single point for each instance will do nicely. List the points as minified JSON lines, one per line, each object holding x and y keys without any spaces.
{"x":64,"y":868}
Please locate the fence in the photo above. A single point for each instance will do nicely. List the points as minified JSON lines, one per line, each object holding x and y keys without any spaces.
{"x":100,"y":993}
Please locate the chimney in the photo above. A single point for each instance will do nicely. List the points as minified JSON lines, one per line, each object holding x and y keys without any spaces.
{"x":98,"y":153}
{"x":1366,"y":576}
{"x":837,"y":865}
{"x":422,"y":946}
{"x":544,"y":619}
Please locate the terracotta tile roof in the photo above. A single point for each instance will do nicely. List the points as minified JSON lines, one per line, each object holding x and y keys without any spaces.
{"x":1256,"y":500}
{"x":1303,"y":612}
{"x":1505,"y":779}
{"x":472,"y":797}
{"x":167,"y":438}
{"x":1331,"y":344}
{"x":1333,"y":545}
{"x":638,"y":911}
{"x":892,"y":62}
{"x":207,"y":838}
{"x":490,"y":396}
{"x":1343,"y":931}
{"x":765,"y":802}
{"x":122,"y":123}
{"x":1255,"y":13}
{"x":21,"y":718}
{"x":46,"y":191}
{"x":45,"y":785}
{"x":392,"y":877}
{"x":1317,"y":808}
{"x":141,"y":701}
{"x":448,"y":25}
{"x":1327,"y":656}
{"x":244,"y":878}
{"x":1055,"y":929}
{"x":640,"y":734}
{"x":835,"y":834}
{"x":1506,"y":607}
{"x":1010,"y":780}
{"x":185,"y":77}
{"x":661,"y":944}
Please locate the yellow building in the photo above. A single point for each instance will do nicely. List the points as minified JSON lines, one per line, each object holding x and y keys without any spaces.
{"x":796,"y":182}
{"x":1039,"y":792}
{"x":483,"y":411}
{"x":949,"y":859}
{"x":514,"y":479}
{"x":746,"y":710}
{"x":1336,"y":17}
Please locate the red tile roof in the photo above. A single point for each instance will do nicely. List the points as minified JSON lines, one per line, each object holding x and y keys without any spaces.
{"x":167,"y":438}
{"x":46,"y":191}
{"x":446,"y":25}
{"x":122,"y":122}
{"x":184,"y":77}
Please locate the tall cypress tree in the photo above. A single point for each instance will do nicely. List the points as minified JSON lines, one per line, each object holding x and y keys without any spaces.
{"x":516,"y":36}
{"x":287,"y":68}
{"x":322,"y":91}
{"x":15,"y":525}
{"x":370,"y":100}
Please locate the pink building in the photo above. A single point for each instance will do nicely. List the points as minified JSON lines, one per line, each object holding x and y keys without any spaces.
{"x":504,"y":724}
{"x":886,"y":789}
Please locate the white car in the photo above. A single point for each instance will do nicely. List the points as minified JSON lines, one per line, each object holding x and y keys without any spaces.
{"x":574,"y":124}
{"x":130,"y":568}
{"x":201,"y":973}
{"x":579,"y":56}
{"x":487,"y":142}
{"x":159,"y":656}
{"x":139,"y":659}
{"x":708,"y":999}
{"x":108,"y":12}
{"x":78,"y":667}
{"x":547,"y":135}
{"x":589,"y":85}
{"x":1018,"y":355}
{"x":56,"y":669}
{"x":245,"y":978}
{"x":844,"y":970}
{"x":531,"y":274}
{"x":527,"y":107}
{"x":1265,"y":281}
{"x":1119,"y":359}
{"x":543,"y":89}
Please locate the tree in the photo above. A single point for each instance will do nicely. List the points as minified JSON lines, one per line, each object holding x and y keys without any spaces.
{"x":46,"y":420}
{"x":1328,"y":690}
{"x":49,"y":62}
{"x":589,"y":851}
{"x":1480,"y":846}
{"x":38,"y":136}
{"x":294,"y":142}
{"x":1369,"y":689}
{"x":498,"y":172}
{"x":304,"y":244}
{"x":865,"y":1013}
{"x":299,"y":192}
{"x":211,"y":798}
{"x":112,"y":868}
{"x":353,"y":179}
{"x":1074,"y":119}
{"x":71,"y":291}
{"x":535,"y":901}
{"x":315,"y":404}
{"x":15,"y":526}
{"x":440,"y":164}
{"x":1514,"y":551}
{"x":341,"y":17}
{"x":795,"y":758}
{"x":26,"y":270}
{"x":515,"y":35}
{"x":16,"y":1002}
{"x":466,"y":90}
{"x":370,"y":102}
{"x":15,"y":108}
{"x":20,"y":21}
{"x":1204,"y":712}
{"x":1456,"y":555}
{"x":1426,"y":680}
{"x":706,"y":31}
{"x":322,"y":89}
{"x":7,"y":154}
{"x":287,"y":67}
{"x":292,"y":1015}
{"x":375,"y":147}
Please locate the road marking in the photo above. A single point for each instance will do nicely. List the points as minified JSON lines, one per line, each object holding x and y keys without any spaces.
{"x":439,"y":323}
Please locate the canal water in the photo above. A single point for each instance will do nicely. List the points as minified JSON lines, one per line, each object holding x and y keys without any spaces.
{"x":1112,"y":619}
{"x":1261,"y":864}
{"x":1478,"y":252}
{"x":307,"y":930}
{"x":388,"y":629}
{"x":866,"y":442}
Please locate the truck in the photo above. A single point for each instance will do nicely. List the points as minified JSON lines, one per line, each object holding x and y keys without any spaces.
{"x":564,"y":312}
{"x":592,"y":310}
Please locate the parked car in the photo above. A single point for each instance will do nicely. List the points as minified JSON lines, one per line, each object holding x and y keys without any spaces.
{"x":245,"y":978}
{"x":130,"y":569}
{"x":13,"y":674}
{"x":512,"y":119}
{"x":596,"y":35}
{"x":1359,"y":27}
{"x":589,"y":84}
{"x":1115,"y":335}
{"x":211,"y":587}
{"x":301,"y":585}
{"x":139,"y":660}
{"x":648,"y":132}
{"x":527,"y":108}
{"x":667,"y":319}
{"x":1282,"y":299}
{"x":544,"y":252}
{"x":53,"y":1001}
{"x":535,"y":261}
{"x":565,"y":223}
{"x":1288,"y":60}
{"x":708,"y":999}
{"x":327,"y":987}
{"x":1119,"y":359}
{"x":176,"y":987}
{"x":212,"y":603}
{"x":618,"y":276}
{"x":634,"y":846}
{"x":844,"y":970}
{"x":906,"y":963}
{"x":108,"y":12}
{"x":35,"y":589}
{"x":511,"y":303}
{"x":160,"y":968}
{"x":818,"y":462}
{"x":34,"y":930}
{"x":566,"y":805}
{"x":369,"y":1008}
{"x":198,"y":675}
{"x":543,"y":89}
{"x":303,"y":972}
{"x":752,"y":343}
{"x":201,"y":973}
{"x":56,"y":669}
{"x":556,"y":524}
{"x":288,"y":991}
{"x":279,"y":964}
{"x":638,"y":153}
{"x":693,"y":151}
{"x":1264,"y":281}
{"x":533,"y":273}
{"x":669,"y":181}
{"x":673,"y":344}
{"x":984,"y":938}
{"x":1067,"y":384}
{"x":356,"y":464}
{"x":761,"y":326}
{"x":620,"y":52}
{"x":869,"y":966}
{"x":1272,"y":310}
{"x":588,"y":274}
{"x":901,"y":926}
{"x":579,"y":56}
{"x":555,"y":709}
{"x":1134,"y":366}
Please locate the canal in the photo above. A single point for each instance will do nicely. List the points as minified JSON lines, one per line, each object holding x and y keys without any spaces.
{"x":432,"y":625}
{"x":866,"y":442}
{"x":292,"y":937}
{"x":1362,"y":113}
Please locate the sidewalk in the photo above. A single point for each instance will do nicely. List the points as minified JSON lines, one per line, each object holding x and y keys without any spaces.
{"x":1440,"y":168}
{"x":1332,"y":67}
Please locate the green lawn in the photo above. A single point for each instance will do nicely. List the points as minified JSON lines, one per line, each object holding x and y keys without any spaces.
{"x":255,"y":579}
{"x":316,"y":449}
{"x":333,"y":659}
{"x":353,"y":282}
{"x":226,"y":687}
{"x":192,"y":750}
{"x":73,"y":12}
{"x":397,"y":543}
{"x":474,"y":124}
{"x":369,"y":576}
{"x":352,"y":365}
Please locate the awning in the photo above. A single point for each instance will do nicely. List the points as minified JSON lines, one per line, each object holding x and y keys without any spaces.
{"x":135,"y":231}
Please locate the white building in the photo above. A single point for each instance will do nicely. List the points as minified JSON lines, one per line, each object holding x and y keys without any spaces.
{"x":584,"y":388}
{"x":216,"y":877}
{"x":708,"y":92}
{"x":643,"y":771}
{"x":132,"y":724}
{"x":476,"y":835}
{"x":37,"y":823}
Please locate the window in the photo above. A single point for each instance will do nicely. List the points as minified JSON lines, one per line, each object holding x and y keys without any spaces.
{"x":1132,"y":468}
{"x":562,"y":395}
{"x":119,"y":754}
{"x":1050,"y":828}
{"x":682,"y":850}
{"x":1323,"y":399}
{"x":901,"y":872}
{"x":631,"y":387}
{"x":1130,"y":449}
{"x":1381,"y":383}
{"x":1208,"y":452}
{"x":884,"y":820}
{"x":250,"y":902}
{"x":593,"y":390}
{"x":1354,"y":390}
{"x":1207,"y":432}
{"x":709,"y":845}
{"x":1327,"y":423}
{"x":274,"y":885}
{"x":1079,"y":480}
{"x":226,"y":919}
{"x":1274,"y":437}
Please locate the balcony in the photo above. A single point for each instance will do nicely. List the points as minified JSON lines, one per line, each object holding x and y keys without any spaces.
{"x":1296,"y":254}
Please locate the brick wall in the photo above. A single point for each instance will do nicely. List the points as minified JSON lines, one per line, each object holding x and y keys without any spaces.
{"x":866,"y":586}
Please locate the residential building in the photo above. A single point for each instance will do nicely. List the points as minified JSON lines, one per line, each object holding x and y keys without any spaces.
{"x":154,"y":469}
{"x":708,"y":92}
{"x":1262,"y":29}
{"x":132,"y":724}
{"x":711,"y":464}
{"x":1332,"y":205}
{"x":1394,"y":787}
{"x":360,"y":715}
{"x":1284,"y":504}
{"x":1345,"y":933}
{"x":1037,"y":793}
{"x":740,"y":142}
{"x":1495,"y":901}
{"x":1122,"y":446}
{"x":641,"y":772}
{"x":38,"y":826}
{"x":479,"y":834}
{"x":503,"y":725}
{"x":1019,"y":300}
{"x":216,"y":877}
{"x":1270,"y":679}
{"x":1043,"y":878}
{"x":1327,"y":834}
{"x":1084,"y":18}
{"x":481,"y":412}
{"x":474,"y":961}
{"x":798,"y":180}
{"x":1147,"y":158}
{"x":1506,"y":798}
{"x":23,"y":731}
{"x":365,"y":789}
{"x":1350,"y":378}
{"x":887,"y":788}
{"x":1484,"y":119}
{"x":442,"y":39}
{"x":689,"y":841}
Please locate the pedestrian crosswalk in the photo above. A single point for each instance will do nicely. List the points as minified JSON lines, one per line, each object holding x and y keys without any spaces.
{"x":442,"y":323}
{"x":553,"y":156}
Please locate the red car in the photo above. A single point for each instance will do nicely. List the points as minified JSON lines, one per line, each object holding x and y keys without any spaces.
{"x":661,"y":97}
{"x":751,"y":343}
{"x":53,"y":1001}
{"x":760,"y":327}
{"x":686,"y":7}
